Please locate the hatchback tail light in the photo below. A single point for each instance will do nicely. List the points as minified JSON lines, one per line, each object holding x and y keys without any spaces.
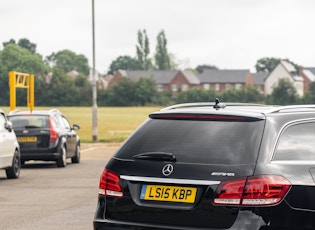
{"x":252,"y":191}
{"x":53,"y":134}
{"x":110,"y":184}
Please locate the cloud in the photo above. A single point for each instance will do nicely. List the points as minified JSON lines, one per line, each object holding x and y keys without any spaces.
{"x":225,"y":33}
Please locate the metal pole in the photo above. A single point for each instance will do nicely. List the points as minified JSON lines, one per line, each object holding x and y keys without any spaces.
{"x":94,"y":88}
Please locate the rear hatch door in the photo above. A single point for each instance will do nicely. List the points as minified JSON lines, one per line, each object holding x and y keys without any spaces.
{"x":32,"y":131}
{"x":171,"y":167}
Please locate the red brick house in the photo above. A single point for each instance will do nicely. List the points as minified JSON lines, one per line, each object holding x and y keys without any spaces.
{"x":178,"y":80}
{"x":308,"y":76}
{"x":259,"y":80}
{"x":183,"y":80}
{"x":221,"y":80}
{"x":166,"y":80}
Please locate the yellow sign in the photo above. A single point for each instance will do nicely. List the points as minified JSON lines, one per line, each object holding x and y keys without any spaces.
{"x":21,"y":80}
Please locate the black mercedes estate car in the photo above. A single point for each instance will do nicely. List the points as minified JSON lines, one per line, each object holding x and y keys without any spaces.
{"x":213,"y":166}
{"x":46,"y":135}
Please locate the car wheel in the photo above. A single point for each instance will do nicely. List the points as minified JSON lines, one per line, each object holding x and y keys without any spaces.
{"x":76,"y":158}
{"x":14,"y":171}
{"x":62,"y":161}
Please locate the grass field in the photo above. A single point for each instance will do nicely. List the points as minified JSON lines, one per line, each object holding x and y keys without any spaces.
{"x":121,"y":120}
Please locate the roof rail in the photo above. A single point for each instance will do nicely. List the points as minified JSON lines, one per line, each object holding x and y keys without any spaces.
{"x":289,"y":107}
{"x":54,"y":111}
{"x":14,"y":111}
{"x":201,"y":104}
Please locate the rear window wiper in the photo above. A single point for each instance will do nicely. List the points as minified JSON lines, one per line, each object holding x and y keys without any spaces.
{"x":156,"y":156}
{"x":31,"y":126}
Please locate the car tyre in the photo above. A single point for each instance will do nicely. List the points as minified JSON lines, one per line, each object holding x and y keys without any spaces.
{"x":13,"y":172}
{"x":76,"y":158}
{"x":62,"y":161}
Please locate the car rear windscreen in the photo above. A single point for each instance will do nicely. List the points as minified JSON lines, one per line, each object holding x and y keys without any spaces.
{"x":198,"y":141}
{"x":29,"y":121}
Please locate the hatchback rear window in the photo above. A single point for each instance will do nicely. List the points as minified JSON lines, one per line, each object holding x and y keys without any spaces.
{"x":29,"y":121}
{"x":198,"y":141}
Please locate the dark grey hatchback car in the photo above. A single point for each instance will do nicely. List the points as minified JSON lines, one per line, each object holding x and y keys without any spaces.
{"x":46,"y":135}
{"x":213,"y":166}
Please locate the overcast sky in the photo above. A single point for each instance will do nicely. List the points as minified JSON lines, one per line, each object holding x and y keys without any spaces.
{"x":230,"y":34}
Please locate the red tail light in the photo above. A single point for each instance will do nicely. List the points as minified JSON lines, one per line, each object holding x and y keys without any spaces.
{"x":110,"y":184}
{"x":230,"y":192}
{"x":53,"y":134}
{"x":255,"y":191}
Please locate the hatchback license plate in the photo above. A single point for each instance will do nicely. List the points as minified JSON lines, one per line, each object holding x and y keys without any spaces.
{"x":27,"y":139}
{"x":168,"y":193}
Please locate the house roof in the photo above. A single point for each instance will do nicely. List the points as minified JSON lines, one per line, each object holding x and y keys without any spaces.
{"x":312,"y":69}
{"x":223,"y":76}
{"x":291,"y":69}
{"x":259,"y":78}
{"x":309,"y":74}
{"x":73,"y":73}
{"x":191,"y":77}
{"x":160,"y":76}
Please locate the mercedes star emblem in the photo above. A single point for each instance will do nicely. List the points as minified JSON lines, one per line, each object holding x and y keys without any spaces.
{"x":167,"y":170}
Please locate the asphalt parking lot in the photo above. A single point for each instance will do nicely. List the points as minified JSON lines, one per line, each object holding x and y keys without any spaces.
{"x":47,"y":197}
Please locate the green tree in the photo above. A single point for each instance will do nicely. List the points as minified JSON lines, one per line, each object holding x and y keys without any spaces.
{"x":251,"y":94}
{"x":198,"y":95}
{"x":309,"y":97}
{"x":23,"y":43}
{"x":11,"y":41}
{"x":26,"y":44}
{"x":67,"y":60}
{"x":165,"y":98}
{"x":201,"y":68}
{"x":122,"y":93}
{"x":15,"y":58}
{"x":195,"y":95}
{"x":61,"y":90}
{"x":162,"y":57}
{"x":267,"y":64}
{"x":145,"y":91}
{"x":283,"y":94}
{"x":143,"y":51}
{"x":230,"y":95}
{"x":124,"y":63}
{"x":83,"y":91}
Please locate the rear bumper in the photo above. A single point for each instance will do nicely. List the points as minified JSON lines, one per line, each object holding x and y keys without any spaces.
{"x":40,"y":154}
{"x":267,"y":218}
{"x":246,"y":220}
{"x":113,"y":225}
{"x":102,"y":225}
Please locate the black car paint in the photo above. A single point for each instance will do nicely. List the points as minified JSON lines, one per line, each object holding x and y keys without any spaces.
{"x":296,"y":211}
{"x":42,"y":149}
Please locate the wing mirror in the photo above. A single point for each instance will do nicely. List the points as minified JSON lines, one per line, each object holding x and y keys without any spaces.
{"x":75,"y":127}
{"x":8,"y":125}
